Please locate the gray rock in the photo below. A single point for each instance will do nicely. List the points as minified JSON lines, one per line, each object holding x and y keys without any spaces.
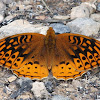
{"x":24,"y":81}
{"x":60,"y":28}
{"x":50,"y":84}
{"x":84,"y":26}
{"x":59,"y":97}
{"x":98,"y":6}
{"x":25,"y":85}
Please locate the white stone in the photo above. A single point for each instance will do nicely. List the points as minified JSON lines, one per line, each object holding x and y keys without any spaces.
{"x":96,"y":17}
{"x":39,"y":89}
{"x":12,"y":78}
{"x":84,"y":10}
{"x":78,"y":12}
{"x":85,"y":26}
{"x":70,"y":89}
{"x":21,"y":26}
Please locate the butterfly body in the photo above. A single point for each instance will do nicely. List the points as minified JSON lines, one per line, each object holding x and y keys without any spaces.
{"x":33,"y":55}
{"x":50,"y":44}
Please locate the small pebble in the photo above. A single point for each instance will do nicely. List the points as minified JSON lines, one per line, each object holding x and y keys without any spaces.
{"x":86,"y":91}
{"x":80,"y":89}
{"x":39,"y":89}
{"x":25,"y":85}
{"x":5,"y":90}
{"x":12,"y":78}
{"x":49,"y":86}
{"x":75,"y":95}
{"x":59,"y":97}
{"x":70,"y":89}
{"x":43,"y":17}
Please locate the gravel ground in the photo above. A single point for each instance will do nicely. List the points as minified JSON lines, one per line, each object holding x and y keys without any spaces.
{"x":38,"y":13}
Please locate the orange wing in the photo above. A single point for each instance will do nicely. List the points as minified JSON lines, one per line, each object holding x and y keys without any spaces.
{"x":74,"y":55}
{"x":24,"y":54}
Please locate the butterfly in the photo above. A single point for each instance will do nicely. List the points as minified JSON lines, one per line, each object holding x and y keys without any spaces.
{"x":34,"y":55}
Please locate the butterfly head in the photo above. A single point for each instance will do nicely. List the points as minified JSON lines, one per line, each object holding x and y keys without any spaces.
{"x":50,"y":36}
{"x":50,"y":31}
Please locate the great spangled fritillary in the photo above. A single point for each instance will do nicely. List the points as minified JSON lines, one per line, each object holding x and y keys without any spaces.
{"x":33,"y":55}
